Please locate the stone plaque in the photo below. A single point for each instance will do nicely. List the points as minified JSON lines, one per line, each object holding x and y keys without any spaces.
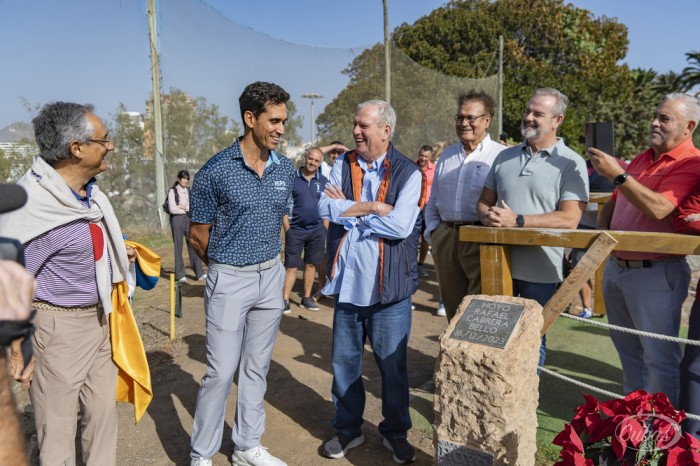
{"x":451,"y":454}
{"x":488,"y":323}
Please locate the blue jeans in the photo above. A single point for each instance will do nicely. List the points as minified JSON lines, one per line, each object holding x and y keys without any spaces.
{"x":540,"y":292}
{"x":388,"y":327}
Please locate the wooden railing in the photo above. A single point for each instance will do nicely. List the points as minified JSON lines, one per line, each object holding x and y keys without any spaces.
{"x":496,"y":276}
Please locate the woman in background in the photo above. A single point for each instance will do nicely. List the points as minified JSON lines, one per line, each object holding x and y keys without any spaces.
{"x":179,"y":205}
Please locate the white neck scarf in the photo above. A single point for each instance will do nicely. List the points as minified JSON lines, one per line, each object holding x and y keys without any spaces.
{"x":50,"y":204}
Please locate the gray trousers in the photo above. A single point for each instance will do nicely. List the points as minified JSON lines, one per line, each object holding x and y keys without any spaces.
{"x":179,"y":226}
{"x":243,"y":310}
{"x":648,"y":299}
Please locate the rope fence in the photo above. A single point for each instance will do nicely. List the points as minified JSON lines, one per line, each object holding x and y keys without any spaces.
{"x":609,"y":394}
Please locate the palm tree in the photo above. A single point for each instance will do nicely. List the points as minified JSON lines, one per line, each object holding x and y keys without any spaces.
{"x":690,"y":76}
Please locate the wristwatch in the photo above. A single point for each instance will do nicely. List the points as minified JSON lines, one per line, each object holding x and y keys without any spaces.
{"x":520,"y":221}
{"x":620,"y":179}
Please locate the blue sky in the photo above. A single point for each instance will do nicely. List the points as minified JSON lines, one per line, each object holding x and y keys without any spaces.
{"x":97,"y":51}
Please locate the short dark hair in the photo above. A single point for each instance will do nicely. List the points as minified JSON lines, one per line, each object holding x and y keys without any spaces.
{"x":183,"y":174}
{"x":57,"y":125}
{"x":480,"y":96}
{"x":258,"y":95}
{"x":425,"y":148}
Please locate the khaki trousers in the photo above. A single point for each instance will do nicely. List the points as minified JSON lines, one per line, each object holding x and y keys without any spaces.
{"x":458,"y":267}
{"x":73,"y":366}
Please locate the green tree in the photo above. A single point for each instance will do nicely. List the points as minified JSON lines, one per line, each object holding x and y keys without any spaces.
{"x":130,"y":180}
{"x":546,"y":43}
{"x":690,"y":76}
{"x":293,"y":126}
{"x":193,"y":131}
{"x":5,"y":168}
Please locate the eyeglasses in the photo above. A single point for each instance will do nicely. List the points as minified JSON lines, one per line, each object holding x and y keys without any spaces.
{"x":102,"y":142}
{"x":469,"y":118}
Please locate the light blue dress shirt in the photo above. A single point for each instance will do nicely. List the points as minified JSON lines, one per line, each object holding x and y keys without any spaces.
{"x":356,"y":272}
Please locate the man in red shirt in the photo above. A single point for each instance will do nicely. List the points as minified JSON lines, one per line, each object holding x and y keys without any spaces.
{"x":644,"y":290}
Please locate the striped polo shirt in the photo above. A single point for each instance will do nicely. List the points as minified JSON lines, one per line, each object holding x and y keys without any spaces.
{"x":63,"y":262}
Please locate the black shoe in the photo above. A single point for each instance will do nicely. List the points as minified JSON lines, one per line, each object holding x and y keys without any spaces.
{"x":340,"y":444}
{"x":287,"y":308}
{"x":403,"y":451}
{"x":309,"y":304}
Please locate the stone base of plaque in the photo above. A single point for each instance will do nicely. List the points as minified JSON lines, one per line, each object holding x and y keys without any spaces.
{"x":486,"y":397}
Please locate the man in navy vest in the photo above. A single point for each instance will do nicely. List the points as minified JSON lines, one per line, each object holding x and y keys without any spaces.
{"x":373,"y":201}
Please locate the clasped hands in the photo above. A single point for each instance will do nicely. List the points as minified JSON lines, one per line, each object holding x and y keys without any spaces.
{"x":500,"y":215}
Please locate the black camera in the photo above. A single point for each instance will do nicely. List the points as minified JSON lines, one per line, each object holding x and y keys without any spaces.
{"x":11,"y":249}
{"x":12,"y":197}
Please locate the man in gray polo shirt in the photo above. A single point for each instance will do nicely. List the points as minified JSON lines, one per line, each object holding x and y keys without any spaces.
{"x":540,"y":183}
{"x":238,"y":200}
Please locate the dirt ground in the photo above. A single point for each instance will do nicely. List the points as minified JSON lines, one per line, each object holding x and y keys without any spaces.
{"x":298,"y":400}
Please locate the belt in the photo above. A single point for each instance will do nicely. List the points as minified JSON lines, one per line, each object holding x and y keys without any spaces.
{"x":462,"y":224}
{"x":46,"y":306}
{"x":641,"y":264}
{"x":254,"y":267}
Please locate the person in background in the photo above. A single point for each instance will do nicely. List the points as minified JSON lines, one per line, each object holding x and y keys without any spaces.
{"x":179,"y":205}
{"x":589,"y":219}
{"x":646,"y":290}
{"x":427,"y":166}
{"x":333,"y":150}
{"x":305,"y":231}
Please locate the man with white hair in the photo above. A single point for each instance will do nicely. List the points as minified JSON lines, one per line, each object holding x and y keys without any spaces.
{"x":645,"y":290}
{"x":373,"y":203}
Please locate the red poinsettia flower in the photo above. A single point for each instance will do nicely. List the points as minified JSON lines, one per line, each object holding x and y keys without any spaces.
{"x":639,"y":420}
{"x":688,"y":442}
{"x":666,"y":431}
{"x":569,"y":440}
{"x":629,"y":432}
{"x":586,"y":414}
{"x":569,"y":458}
{"x":681,"y":457}
{"x":663,"y":407}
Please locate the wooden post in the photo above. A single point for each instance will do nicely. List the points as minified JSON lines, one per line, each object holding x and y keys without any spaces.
{"x":496,"y":278}
{"x":594,"y":257}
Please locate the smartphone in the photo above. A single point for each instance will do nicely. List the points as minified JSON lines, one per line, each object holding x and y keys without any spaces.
{"x":601,"y":136}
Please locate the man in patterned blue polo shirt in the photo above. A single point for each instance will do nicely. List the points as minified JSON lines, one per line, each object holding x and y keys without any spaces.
{"x":236,"y":207}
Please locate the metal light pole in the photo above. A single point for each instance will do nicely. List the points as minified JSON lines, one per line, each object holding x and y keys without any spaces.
{"x":312,"y":96}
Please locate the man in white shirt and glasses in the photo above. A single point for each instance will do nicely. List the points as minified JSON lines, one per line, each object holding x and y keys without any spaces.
{"x":459,"y":179}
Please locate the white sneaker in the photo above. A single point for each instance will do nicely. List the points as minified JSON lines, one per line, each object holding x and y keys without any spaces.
{"x":257,"y":456}
{"x":203,"y":277}
{"x":441,"y":311}
{"x":200,"y":462}
{"x":183,"y":280}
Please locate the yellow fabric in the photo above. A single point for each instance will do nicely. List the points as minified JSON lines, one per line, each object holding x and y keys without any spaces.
{"x":128,"y":353}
